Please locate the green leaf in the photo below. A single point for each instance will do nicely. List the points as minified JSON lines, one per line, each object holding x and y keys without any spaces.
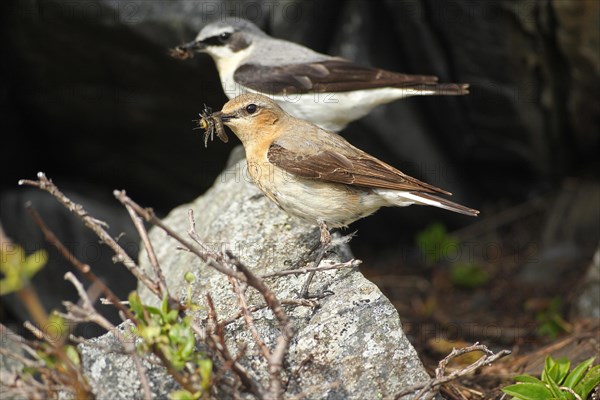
{"x":578,"y":373}
{"x":554,"y":389}
{"x":468,"y":276}
{"x":135,"y":304}
{"x":588,"y":382}
{"x":150,"y":333}
{"x":164,"y":307}
{"x":17,"y":268}
{"x":527,"y":378}
{"x":551,"y":370}
{"x":206,"y":366}
{"x":528,"y":391}
{"x":171,"y":316}
{"x":549,"y":363}
{"x":153,"y":311}
{"x":563,"y":365}
{"x":10,"y":283}
{"x":34,"y":262}
{"x":73,"y":354}
{"x":188,"y":345}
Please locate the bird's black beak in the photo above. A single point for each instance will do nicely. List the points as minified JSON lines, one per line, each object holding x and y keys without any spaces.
{"x":227,"y":117}
{"x":195,"y":45}
{"x":187,"y":50}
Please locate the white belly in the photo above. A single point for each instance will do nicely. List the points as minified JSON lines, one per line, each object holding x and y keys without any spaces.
{"x":333,"y":111}
{"x":336,"y":205}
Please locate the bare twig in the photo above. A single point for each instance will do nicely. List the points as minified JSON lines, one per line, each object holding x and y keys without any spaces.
{"x":427,"y":390}
{"x":87,"y":312}
{"x":196,"y":238}
{"x":275,"y":360}
{"x":241,"y":296}
{"x":208,"y":257}
{"x":68,"y":375}
{"x":348,"y":264}
{"x":216,"y":340}
{"x":28,"y":346}
{"x":81,"y":267}
{"x":568,"y":389}
{"x":287,"y":302}
{"x":160,"y":278}
{"x":106,"y":302}
{"x":95,"y":225}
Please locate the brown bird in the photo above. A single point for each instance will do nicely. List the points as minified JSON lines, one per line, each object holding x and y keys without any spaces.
{"x":317,"y":175}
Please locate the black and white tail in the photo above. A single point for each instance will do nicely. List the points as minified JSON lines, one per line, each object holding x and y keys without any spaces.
{"x":401,"y":199}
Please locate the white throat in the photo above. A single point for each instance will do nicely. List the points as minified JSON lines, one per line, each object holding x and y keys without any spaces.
{"x":227,"y":63}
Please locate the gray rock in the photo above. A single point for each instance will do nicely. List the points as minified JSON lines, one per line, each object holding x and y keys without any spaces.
{"x":349,"y":347}
{"x":113,"y":375}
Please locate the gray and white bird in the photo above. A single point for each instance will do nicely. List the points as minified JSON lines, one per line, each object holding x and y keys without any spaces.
{"x":328,"y":91}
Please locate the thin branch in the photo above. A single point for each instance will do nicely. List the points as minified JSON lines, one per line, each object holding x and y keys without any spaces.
{"x":87,"y":308}
{"x":568,"y":389}
{"x":348,"y":264}
{"x":28,"y":346}
{"x":106,"y":302}
{"x":21,"y":359}
{"x":160,"y":278}
{"x":249,"y":320}
{"x":87,"y":312}
{"x":275,"y":361}
{"x":148,"y":215}
{"x":196,"y":238}
{"x":85,"y":269}
{"x":427,"y":390}
{"x":287,"y":302}
{"x":216,"y":340}
{"x":95,"y":225}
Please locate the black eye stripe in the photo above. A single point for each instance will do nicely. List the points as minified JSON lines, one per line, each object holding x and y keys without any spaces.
{"x":212,"y":41}
{"x":218,"y":40}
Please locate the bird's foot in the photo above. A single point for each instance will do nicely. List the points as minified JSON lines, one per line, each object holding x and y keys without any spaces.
{"x":322,"y":247}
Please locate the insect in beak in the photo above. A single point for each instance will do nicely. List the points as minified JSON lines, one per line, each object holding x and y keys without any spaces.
{"x":185,"y":51}
{"x":211,"y":122}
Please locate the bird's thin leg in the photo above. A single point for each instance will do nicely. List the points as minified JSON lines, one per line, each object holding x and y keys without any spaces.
{"x":323,"y":248}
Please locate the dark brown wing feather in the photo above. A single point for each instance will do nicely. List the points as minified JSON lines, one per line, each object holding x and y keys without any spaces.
{"x":359,"y":169}
{"x":337,"y":75}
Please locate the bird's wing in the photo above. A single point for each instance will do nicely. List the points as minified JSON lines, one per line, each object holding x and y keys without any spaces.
{"x":345,"y":164}
{"x":334,"y":75}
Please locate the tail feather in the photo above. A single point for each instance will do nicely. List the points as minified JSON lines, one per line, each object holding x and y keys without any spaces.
{"x":432,"y":200}
{"x":402,"y":199}
{"x":436,"y":89}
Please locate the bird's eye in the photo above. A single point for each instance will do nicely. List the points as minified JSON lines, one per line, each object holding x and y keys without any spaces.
{"x":224,"y":37}
{"x":251,"y":108}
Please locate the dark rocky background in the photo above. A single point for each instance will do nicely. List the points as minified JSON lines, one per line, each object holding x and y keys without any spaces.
{"x":91,"y":97}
